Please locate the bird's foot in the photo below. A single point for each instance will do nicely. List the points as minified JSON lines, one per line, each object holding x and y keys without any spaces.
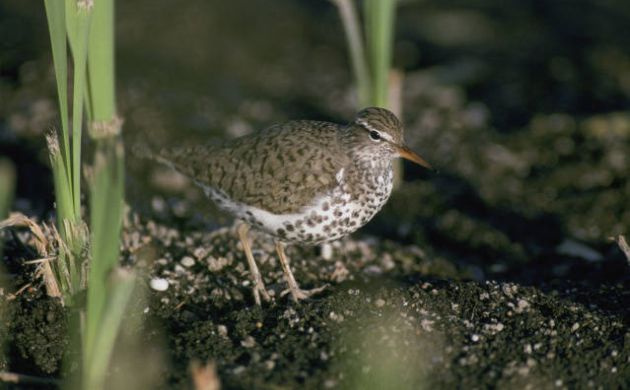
{"x":297,"y":294}
{"x":260,"y":290}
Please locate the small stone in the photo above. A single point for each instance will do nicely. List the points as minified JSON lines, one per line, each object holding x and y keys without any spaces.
{"x":521,"y":306}
{"x":188,"y":261}
{"x":159,"y":284}
{"x":249,"y":342}
{"x":223,"y":330}
{"x":474,"y":338}
{"x":327,"y":251}
{"x":380,"y":302}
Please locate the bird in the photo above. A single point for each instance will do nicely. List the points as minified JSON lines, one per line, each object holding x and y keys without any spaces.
{"x":302,"y":182}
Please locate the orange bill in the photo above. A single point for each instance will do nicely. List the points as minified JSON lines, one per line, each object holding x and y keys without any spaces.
{"x":410,"y":155}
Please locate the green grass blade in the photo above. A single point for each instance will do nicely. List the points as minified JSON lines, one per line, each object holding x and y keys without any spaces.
{"x":120,"y":291}
{"x":79,"y":16}
{"x":7,"y":186}
{"x":106,"y":211}
{"x":71,"y":23}
{"x":101,"y":66}
{"x":379,"y":25}
{"x":63,"y":193}
{"x":56,"y":15}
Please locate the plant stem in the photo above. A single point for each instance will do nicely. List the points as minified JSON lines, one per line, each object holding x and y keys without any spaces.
{"x":350,"y":21}
{"x":101,"y":65}
{"x":56,"y":15}
{"x":82,"y":19}
{"x":379,"y":23}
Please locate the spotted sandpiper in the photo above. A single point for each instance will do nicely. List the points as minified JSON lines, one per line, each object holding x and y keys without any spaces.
{"x":302,"y":182}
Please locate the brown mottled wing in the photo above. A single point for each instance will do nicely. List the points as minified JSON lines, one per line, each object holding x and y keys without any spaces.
{"x":281,"y":169}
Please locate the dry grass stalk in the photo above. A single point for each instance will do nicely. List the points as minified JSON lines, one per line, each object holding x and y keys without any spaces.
{"x":623,"y":245}
{"x":204,"y":376}
{"x":42,"y":245}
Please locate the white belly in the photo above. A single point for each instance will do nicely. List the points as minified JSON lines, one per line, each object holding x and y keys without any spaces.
{"x":329,"y":218}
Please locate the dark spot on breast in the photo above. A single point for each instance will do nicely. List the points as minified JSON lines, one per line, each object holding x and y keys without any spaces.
{"x":281,"y":232}
{"x":289,"y":227}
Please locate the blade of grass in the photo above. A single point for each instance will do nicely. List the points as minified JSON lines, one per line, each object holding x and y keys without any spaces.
{"x":78,"y":17}
{"x":63,"y":191}
{"x":120,"y":290}
{"x":106,"y":223}
{"x":7,"y":186}
{"x":379,"y":23}
{"x":56,"y":16}
{"x":101,"y":66}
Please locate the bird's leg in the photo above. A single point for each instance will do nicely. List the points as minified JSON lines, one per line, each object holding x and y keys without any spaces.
{"x":296,"y":292}
{"x":259,"y":285}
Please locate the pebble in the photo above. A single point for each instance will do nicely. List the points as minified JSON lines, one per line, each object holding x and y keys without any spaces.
{"x":159,"y":284}
{"x":188,"y":261}
{"x":327,"y":251}
{"x":248,"y":342}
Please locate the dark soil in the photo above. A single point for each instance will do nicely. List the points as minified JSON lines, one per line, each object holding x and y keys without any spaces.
{"x":498,"y":271}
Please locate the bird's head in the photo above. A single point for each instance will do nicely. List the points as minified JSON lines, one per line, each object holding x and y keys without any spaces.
{"x":377,"y":133}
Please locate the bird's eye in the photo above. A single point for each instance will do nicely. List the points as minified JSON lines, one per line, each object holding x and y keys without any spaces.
{"x":375,"y":135}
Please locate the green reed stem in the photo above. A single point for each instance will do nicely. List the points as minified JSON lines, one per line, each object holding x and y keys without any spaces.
{"x":79,"y":15}
{"x":107,"y":297}
{"x":379,"y":26}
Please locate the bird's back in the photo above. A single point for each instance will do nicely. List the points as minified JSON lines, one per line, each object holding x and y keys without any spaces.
{"x":281,"y":169}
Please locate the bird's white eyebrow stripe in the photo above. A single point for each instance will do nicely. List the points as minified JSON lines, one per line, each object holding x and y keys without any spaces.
{"x":363,"y":123}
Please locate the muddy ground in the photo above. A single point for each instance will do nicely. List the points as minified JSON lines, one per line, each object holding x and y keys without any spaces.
{"x":498,"y":271}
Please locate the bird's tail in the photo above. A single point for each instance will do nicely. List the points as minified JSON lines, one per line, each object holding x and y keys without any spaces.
{"x":182,"y":159}
{"x":161,"y":155}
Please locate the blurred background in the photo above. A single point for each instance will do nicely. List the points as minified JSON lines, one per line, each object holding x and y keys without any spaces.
{"x":523,"y":107}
